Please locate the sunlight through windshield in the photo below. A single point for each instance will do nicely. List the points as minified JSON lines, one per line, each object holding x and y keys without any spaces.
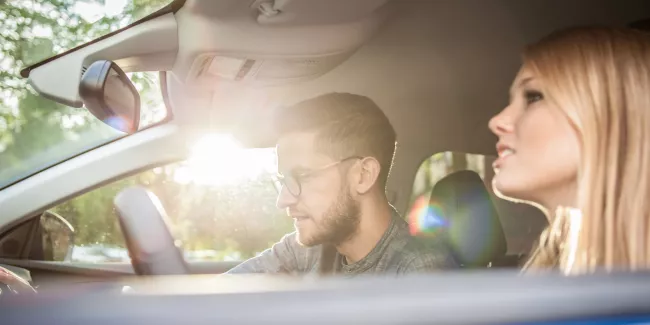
{"x":220,"y":160}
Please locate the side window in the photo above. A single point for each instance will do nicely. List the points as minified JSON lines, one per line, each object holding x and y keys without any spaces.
{"x":521,"y":223}
{"x":220,"y":208}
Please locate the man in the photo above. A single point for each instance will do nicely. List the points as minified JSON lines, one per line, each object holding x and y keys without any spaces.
{"x":334,"y":153}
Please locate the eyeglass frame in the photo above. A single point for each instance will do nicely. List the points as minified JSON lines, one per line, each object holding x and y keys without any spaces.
{"x":280,"y":183}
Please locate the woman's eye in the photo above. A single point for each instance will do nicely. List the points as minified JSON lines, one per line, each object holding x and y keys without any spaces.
{"x":533,"y":96}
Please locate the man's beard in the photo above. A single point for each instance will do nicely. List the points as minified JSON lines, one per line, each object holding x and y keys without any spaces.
{"x":339,"y":222}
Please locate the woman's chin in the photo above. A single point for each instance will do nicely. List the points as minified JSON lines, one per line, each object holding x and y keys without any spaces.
{"x":505,"y":189}
{"x":512,"y":192}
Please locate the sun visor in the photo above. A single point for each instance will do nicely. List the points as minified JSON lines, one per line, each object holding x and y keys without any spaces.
{"x":288,"y":42}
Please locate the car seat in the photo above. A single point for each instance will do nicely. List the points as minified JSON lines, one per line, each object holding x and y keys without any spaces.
{"x":472,"y":228}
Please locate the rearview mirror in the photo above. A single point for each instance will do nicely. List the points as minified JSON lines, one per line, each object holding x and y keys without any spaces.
{"x":110,"y":96}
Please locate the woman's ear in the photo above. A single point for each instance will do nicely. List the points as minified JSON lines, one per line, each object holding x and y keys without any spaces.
{"x":369,"y":169}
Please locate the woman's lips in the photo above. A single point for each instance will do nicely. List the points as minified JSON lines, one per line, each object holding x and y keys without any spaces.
{"x":504,"y":152}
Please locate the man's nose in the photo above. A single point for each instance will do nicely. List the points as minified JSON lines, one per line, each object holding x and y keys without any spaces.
{"x":285,"y":199}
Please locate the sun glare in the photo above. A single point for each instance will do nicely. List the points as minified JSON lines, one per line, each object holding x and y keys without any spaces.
{"x":220,"y":160}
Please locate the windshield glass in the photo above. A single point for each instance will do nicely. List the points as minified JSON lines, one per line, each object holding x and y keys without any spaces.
{"x":36,"y":133}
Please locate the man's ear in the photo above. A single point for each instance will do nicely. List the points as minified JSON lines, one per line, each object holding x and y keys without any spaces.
{"x":369,"y":169}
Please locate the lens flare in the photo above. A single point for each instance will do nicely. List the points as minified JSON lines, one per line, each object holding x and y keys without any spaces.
{"x":470,"y":226}
{"x":426,"y":218}
{"x":117,"y":122}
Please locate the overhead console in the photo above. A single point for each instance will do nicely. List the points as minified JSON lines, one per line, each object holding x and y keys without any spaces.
{"x":270,"y":42}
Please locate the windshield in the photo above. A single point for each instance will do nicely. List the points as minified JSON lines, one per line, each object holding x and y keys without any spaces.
{"x":36,"y":133}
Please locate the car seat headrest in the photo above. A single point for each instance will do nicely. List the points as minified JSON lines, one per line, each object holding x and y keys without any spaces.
{"x":473,"y":229}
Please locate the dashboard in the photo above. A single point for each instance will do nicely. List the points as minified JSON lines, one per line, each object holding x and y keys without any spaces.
{"x":481,"y":297}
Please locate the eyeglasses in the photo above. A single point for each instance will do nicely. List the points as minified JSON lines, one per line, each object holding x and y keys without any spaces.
{"x":293,"y":183}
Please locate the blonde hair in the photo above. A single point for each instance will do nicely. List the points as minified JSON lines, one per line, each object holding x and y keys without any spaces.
{"x":600,"y":78}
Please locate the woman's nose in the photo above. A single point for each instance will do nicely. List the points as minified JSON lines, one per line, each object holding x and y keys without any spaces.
{"x":502,"y":123}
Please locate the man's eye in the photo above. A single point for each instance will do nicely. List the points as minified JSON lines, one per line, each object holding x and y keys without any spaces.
{"x":533,"y":96}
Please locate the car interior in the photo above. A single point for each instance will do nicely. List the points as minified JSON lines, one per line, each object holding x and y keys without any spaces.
{"x":438,"y":69}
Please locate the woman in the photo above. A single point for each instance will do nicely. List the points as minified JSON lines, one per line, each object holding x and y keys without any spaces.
{"x":575,"y":141}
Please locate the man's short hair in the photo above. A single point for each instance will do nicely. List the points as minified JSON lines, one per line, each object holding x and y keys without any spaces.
{"x":346,"y":125}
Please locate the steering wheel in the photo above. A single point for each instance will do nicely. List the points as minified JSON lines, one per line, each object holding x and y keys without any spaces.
{"x":144,"y":223}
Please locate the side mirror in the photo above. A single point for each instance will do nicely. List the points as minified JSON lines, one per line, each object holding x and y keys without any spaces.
{"x":57,"y":237}
{"x":110,"y":96}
